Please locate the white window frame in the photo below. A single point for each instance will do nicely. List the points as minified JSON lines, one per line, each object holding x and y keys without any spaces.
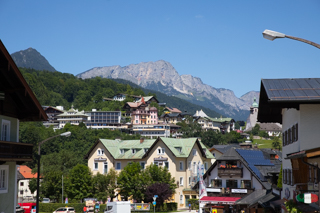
{"x":99,"y":152}
{"x":117,"y":165}
{"x":5,"y":133}
{"x":4,"y":178}
{"x":133,"y":151}
{"x":144,"y":164}
{"x":94,"y":165}
{"x":121,"y":151}
{"x":164,"y":164}
{"x":102,"y":151}
{"x":189,"y":165}
{"x":181,"y":199}
{"x":145,"y":150}
{"x":161,"y":151}
{"x":181,"y":165}
{"x":104,"y":167}
{"x":189,"y":181}
{"x":156,"y":163}
{"x":181,"y":181}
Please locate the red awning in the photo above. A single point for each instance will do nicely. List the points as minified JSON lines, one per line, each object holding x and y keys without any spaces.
{"x":219,"y":200}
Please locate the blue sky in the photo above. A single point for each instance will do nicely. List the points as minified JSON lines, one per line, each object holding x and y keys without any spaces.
{"x":219,"y":41}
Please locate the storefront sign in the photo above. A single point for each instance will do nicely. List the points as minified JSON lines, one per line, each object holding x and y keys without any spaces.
{"x":239,"y":190}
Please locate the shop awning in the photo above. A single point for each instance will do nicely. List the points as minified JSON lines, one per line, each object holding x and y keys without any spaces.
{"x":219,"y":200}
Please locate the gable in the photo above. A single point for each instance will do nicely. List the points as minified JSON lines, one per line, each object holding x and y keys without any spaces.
{"x":17,"y":99}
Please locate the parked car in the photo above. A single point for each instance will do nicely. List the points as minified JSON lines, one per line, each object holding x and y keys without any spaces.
{"x":45,"y":200}
{"x":28,"y":198}
{"x":65,"y":210}
{"x":19,"y":209}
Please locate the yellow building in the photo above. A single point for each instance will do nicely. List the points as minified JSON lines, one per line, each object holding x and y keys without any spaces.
{"x":180,"y":156}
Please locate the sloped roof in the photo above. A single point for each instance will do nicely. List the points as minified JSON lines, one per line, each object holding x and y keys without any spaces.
{"x":276,"y":94}
{"x":147,"y":98}
{"x":19,"y":100}
{"x":200,"y":114}
{"x":186,"y":145}
{"x":26,"y":172}
{"x":252,"y":198}
{"x":265,"y":200}
{"x":172,"y":110}
{"x":114,"y":147}
{"x":224,"y":148}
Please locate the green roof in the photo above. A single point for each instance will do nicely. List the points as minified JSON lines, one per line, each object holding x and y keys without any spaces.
{"x":185,"y":144}
{"x":255,"y":104}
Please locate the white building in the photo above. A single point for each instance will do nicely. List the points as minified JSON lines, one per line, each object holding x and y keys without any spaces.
{"x":71,"y":116}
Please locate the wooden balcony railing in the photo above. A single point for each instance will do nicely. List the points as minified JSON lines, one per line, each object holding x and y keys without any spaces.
{"x":14,"y":151}
{"x":238,"y":172}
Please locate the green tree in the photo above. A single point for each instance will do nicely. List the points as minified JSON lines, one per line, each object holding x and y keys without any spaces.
{"x":51,"y":186}
{"x":32,"y":185}
{"x":79,"y":183}
{"x":157,"y":174}
{"x":131,"y":182}
{"x":112,"y":177}
{"x":190,"y":128}
{"x":256,"y":129}
{"x":276,"y":143}
{"x":100,"y":186}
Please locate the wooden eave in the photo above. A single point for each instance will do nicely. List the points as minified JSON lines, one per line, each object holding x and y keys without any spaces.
{"x":19,"y":101}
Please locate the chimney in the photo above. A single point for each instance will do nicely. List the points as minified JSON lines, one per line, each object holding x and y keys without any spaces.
{"x":141,"y":140}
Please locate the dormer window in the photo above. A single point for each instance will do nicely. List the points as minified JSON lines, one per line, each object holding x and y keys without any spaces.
{"x":179,"y":149}
{"x":121,"y":151}
{"x":194,"y":151}
{"x":134,"y":151}
{"x":146,"y":150}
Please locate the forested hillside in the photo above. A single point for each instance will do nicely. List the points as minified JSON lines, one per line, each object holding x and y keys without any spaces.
{"x":62,"y":89}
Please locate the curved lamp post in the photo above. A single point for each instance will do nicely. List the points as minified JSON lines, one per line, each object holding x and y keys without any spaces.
{"x":65,"y":134}
{"x":271,"y":35}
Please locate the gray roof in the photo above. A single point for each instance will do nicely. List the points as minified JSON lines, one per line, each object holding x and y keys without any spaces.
{"x":276,"y":94}
{"x":265,"y":200}
{"x":224,"y":148}
{"x":252,"y":198}
{"x":230,"y":154}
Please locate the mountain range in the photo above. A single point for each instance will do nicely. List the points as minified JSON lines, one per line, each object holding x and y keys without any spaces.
{"x":159,"y":76}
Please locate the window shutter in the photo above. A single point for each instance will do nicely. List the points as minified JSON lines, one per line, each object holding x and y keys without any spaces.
{"x":297,"y":132}
{"x":284,"y":176}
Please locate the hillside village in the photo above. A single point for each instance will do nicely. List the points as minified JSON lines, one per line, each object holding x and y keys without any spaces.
{"x":238,"y":177}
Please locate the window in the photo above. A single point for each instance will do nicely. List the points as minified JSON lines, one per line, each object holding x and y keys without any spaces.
{"x":166,"y":164}
{"x":95,"y":166}
{"x":5,"y":130}
{"x":102,"y":151}
{"x":105,"y":170}
{"x":247,"y":184}
{"x":4,"y":172}
{"x":189,"y":181}
{"x":189,"y":165}
{"x":161,"y":151}
{"x":156,"y":163}
{"x":216,"y":183}
{"x":232,"y":183}
{"x":181,"y":181}
{"x":146,"y":150}
{"x":194,"y":151}
{"x":118,"y":166}
{"x":181,"y":165}
{"x":99,"y":152}
{"x":121,"y":151}
{"x":133,"y":151}
{"x":206,"y":166}
{"x":181,"y":199}
{"x":195,"y":167}
{"x":143,"y":164}
{"x":21,"y":183}
{"x":179,"y":149}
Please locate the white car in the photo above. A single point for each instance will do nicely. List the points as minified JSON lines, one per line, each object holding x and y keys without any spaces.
{"x":65,"y":210}
{"x":45,"y":200}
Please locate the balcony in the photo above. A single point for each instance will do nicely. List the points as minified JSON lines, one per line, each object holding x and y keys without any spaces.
{"x":229,"y":192}
{"x":230,"y":172}
{"x":14,"y":151}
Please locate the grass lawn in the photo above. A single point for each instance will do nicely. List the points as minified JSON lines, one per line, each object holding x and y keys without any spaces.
{"x":262,"y":144}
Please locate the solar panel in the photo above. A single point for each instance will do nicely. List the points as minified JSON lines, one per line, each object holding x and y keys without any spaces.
{"x":255,"y":158}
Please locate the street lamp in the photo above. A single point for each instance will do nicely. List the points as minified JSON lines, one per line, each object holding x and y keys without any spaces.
{"x":65,"y":134}
{"x":271,"y":35}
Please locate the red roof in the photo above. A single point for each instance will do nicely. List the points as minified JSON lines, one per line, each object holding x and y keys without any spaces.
{"x":26,"y":172}
{"x":219,"y":200}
